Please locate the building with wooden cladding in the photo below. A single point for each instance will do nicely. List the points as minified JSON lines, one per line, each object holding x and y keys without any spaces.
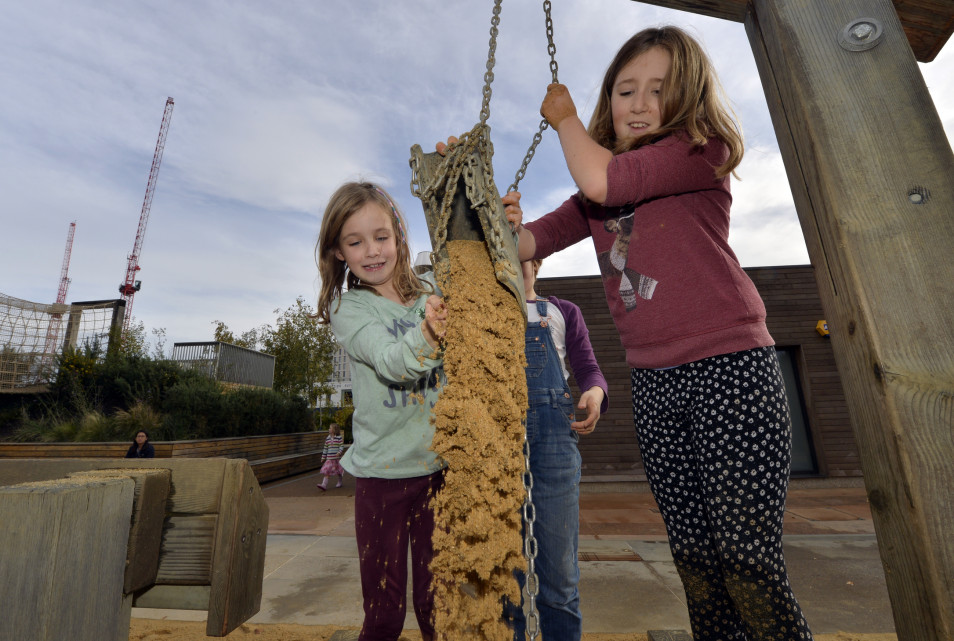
{"x":823,"y":444}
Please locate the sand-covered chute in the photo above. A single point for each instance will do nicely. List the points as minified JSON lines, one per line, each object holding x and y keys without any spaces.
{"x":479,"y":417}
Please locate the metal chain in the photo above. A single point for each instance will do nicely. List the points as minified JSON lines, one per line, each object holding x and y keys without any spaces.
{"x":491,"y":61}
{"x":532,"y":585}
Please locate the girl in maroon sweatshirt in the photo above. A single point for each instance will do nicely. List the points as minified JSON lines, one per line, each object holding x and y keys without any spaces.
{"x":709,"y":402}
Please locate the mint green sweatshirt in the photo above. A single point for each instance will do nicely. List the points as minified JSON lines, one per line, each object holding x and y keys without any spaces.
{"x":395,"y":385}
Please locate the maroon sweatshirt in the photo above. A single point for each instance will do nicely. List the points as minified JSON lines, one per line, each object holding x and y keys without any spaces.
{"x":674,"y":287}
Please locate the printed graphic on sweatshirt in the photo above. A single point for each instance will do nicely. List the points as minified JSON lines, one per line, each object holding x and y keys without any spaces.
{"x":399,"y":327}
{"x":402,"y":395}
{"x":416,"y":392}
{"x":632,"y":284}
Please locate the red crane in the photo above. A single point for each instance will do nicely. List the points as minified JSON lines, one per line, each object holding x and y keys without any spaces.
{"x":129,"y":287}
{"x":65,"y":270}
{"x":56,"y":319}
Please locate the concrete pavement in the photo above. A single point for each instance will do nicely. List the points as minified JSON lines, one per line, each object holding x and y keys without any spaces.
{"x":628,"y":581}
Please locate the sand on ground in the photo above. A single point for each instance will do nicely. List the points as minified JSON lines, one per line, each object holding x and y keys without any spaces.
{"x":165,"y":630}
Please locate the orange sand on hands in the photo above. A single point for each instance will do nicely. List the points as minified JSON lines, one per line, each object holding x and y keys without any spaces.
{"x":479,"y":432}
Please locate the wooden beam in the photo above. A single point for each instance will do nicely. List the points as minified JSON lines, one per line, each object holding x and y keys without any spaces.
{"x":148,"y":514}
{"x":238,"y":562}
{"x":196,"y":483}
{"x":928,"y":24}
{"x":64,"y":553}
{"x":870,"y":169}
{"x":733,"y":10}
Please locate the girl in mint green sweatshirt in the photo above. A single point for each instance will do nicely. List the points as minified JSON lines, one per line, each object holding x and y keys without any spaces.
{"x":390,"y":322}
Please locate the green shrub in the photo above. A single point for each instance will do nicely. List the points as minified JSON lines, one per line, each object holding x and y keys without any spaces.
{"x":30,"y":430}
{"x":61,"y":432}
{"x":96,"y":427}
{"x":192,"y":409}
{"x":262,"y":411}
{"x":139,"y":417}
{"x":197,"y":410}
{"x":99,"y":398}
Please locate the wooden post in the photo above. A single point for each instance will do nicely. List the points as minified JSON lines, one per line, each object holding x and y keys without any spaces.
{"x":145,"y":531}
{"x":238,"y":558}
{"x":872,"y":174}
{"x":63,"y":557}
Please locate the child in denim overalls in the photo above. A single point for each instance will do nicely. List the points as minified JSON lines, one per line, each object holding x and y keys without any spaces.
{"x":555,"y":329}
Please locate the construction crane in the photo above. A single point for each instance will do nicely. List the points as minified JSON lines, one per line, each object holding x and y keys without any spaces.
{"x":56,"y":318}
{"x":129,"y":286}
{"x":65,"y":270}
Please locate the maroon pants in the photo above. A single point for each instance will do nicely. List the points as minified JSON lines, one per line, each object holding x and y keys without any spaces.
{"x":389,"y":516}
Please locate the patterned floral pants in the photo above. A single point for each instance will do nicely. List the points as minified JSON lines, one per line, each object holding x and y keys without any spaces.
{"x":715,"y":437}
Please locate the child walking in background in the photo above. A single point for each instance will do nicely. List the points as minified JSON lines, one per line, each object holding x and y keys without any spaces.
{"x":555,"y":332}
{"x":712,"y":419}
{"x":390,"y":322}
{"x":331,"y":456}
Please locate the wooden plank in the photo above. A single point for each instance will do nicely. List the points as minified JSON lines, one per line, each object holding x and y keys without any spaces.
{"x":875,"y":201}
{"x":64,"y":554}
{"x":148,"y":514}
{"x":284,"y":466}
{"x":185,"y":556}
{"x":174,"y":597}
{"x":238,"y":564}
{"x":927,"y":24}
{"x":249,"y":447}
{"x":196,"y":483}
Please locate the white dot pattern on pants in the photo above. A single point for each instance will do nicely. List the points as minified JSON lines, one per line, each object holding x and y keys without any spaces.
{"x":715,"y":437}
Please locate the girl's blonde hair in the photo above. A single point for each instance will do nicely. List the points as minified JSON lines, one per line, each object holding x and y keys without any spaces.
{"x":334,"y":273}
{"x":692,"y":99}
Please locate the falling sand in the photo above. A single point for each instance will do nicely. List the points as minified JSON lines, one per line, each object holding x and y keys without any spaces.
{"x":478,"y":422}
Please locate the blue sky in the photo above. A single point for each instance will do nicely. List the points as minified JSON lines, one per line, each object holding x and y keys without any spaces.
{"x":278,"y":103}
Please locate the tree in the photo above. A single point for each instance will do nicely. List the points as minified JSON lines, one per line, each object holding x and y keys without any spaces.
{"x":132,"y":342}
{"x":303,"y":351}
{"x":159,"y":349}
{"x":248,"y":340}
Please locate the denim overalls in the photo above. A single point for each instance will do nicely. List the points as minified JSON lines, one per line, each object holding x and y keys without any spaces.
{"x":555,"y":464}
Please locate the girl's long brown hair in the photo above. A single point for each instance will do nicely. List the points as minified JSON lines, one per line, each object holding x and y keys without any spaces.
{"x":333,"y":272}
{"x":692,"y":99}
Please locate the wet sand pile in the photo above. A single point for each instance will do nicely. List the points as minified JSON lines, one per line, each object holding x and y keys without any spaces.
{"x":479,"y":432}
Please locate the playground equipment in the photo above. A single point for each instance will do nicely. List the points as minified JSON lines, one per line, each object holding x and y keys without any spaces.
{"x":464,"y":211}
{"x":27,"y":358}
{"x":85,"y":540}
